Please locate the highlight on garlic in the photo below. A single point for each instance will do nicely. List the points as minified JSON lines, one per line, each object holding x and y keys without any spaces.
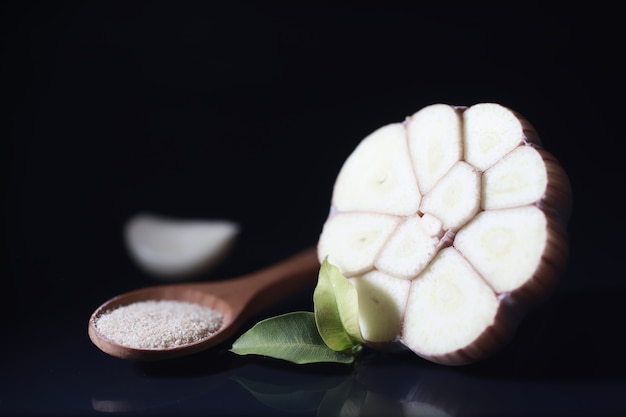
{"x":172,"y":249}
{"x":451,"y":225}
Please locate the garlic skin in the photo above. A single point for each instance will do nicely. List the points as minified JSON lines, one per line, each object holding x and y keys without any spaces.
{"x":174,"y":249}
{"x":451,"y":225}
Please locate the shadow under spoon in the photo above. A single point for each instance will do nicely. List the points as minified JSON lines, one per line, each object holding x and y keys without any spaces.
{"x":237,"y":299}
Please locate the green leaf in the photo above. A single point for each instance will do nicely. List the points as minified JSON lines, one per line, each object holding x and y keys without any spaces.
{"x":336,"y":308}
{"x":292,"y":337}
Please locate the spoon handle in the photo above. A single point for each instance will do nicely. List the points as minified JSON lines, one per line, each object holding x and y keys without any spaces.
{"x":268,"y":285}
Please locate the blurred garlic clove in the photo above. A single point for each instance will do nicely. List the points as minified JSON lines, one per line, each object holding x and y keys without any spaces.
{"x":173,"y":249}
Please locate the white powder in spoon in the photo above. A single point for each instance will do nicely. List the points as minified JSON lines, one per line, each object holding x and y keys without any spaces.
{"x":158,"y":324}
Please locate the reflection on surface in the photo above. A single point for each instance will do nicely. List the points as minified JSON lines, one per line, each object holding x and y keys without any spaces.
{"x":305,"y":397}
{"x":563,"y":361}
{"x":379,"y":384}
{"x":547,"y":370}
{"x":149,"y":394}
{"x":155,"y":385}
{"x":383,"y":385}
{"x":349,"y":394}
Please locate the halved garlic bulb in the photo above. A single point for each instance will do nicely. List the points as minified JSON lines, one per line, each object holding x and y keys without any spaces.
{"x":449,"y":224}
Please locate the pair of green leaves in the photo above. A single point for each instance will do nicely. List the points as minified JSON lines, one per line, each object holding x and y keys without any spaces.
{"x":330,"y":333}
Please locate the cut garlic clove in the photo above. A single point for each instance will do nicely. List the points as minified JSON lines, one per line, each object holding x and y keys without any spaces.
{"x":378,"y":176}
{"x":449,"y":307}
{"x":505,"y":246}
{"x":518,"y":179}
{"x":491,"y":131}
{"x":352,"y":240}
{"x":172,"y":249}
{"x":434,"y":137}
{"x":382,"y":300}
{"x":410,"y":248}
{"x":456,"y":198}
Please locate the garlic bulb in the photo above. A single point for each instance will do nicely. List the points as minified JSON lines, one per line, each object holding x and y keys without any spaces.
{"x":449,"y":224}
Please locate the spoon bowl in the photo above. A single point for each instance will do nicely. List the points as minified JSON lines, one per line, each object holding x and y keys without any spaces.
{"x":237,"y":300}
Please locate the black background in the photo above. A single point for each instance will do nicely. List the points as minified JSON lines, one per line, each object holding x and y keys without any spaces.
{"x":245,"y":111}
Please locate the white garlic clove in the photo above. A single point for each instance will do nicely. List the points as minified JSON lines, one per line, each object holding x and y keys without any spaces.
{"x":434,"y":136}
{"x":378,"y":176}
{"x":172,"y":249}
{"x":355,"y":252}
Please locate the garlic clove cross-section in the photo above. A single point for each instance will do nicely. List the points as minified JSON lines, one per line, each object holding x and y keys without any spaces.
{"x":451,"y":225}
{"x":379,"y":177}
{"x":173,"y":249}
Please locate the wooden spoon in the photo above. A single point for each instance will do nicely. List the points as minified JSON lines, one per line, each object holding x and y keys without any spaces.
{"x":237,"y":299}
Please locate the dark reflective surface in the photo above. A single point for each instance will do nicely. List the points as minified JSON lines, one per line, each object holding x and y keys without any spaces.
{"x":246,"y":111}
{"x":565,"y":360}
